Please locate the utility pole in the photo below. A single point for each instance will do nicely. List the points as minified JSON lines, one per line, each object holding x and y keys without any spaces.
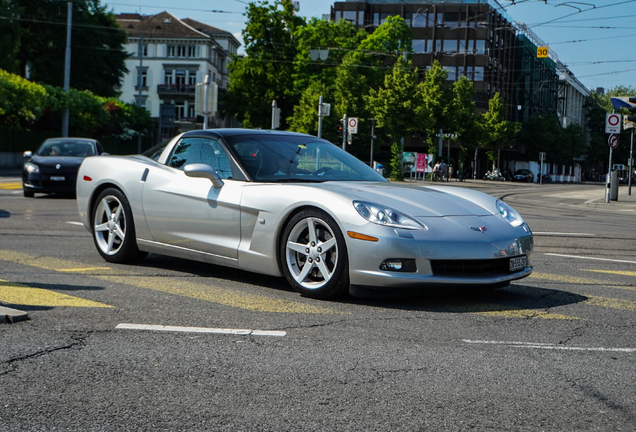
{"x":140,"y":83}
{"x":372,"y":138}
{"x":67,"y":65}
{"x":320,"y":117}
{"x":345,"y":128}
{"x":206,"y":101}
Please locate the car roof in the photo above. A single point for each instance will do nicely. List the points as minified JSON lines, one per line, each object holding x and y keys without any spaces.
{"x":241,"y":132}
{"x":73,"y":139}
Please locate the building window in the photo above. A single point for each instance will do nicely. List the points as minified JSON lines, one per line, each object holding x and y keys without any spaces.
{"x":167,"y":77}
{"x":192,"y":78}
{"x":180,"y":77}
{"x":480,"y":47}
{"x":450,"y":45}
{"x":479,"y":73}
{"x":143,"y":74}
{"x":349,"y":16}
{"x":360,"y":17}
{"x":419,"y":46}
{"x":376,"y":19}
{"x":420,"y":20}
{"x":452,"y":72}
{"x":338,"y":16}
{"x":192,"y":51}
{"x":452,"y":19}
{"x":181,"y":51}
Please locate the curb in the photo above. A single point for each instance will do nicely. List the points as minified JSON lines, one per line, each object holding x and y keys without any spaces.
{"x":10,"y":316}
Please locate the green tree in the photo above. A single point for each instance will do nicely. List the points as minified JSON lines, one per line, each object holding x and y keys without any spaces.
{"x":495,"y":131}
{"x":398,"y":105}
{"x":9,"y":36}
{"x":464,"y":119}
{"x":97,"y":43}
{"x":437,"y":100}
{"x":266,"y":72}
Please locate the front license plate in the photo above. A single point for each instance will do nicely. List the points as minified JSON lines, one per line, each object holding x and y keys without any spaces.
{"x":57,"y":178}
{"x":518,"y":263}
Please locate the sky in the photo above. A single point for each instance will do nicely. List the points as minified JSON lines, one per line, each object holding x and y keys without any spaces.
{"x":595,"y":39}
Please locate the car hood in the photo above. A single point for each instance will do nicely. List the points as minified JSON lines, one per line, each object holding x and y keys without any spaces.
{"x":416,"y":201}
{"x":52,"y":161}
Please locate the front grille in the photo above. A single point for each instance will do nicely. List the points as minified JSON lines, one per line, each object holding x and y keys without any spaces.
{"x":470,"y":267}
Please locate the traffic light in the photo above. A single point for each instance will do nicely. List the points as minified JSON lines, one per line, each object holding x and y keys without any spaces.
{"x":632,"y":109}
{"x":339,"y":127}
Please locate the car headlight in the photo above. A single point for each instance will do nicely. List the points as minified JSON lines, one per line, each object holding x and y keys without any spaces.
{"x":31,"y":168}
{"x":510,"y":214}
{"x":387,"y":216}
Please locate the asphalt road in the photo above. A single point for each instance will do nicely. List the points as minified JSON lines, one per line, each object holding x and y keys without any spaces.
{"x":555,"y":351}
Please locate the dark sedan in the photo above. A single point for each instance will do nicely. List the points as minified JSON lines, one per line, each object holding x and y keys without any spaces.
{"x":53,"y":168}
{"x":523,"y":175}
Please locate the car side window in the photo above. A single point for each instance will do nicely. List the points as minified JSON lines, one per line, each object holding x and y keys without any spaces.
{"x":208,"y":151}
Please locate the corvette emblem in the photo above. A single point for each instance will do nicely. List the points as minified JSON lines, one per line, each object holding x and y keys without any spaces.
{"x":480,"y":229}
{"x":58,"y":166}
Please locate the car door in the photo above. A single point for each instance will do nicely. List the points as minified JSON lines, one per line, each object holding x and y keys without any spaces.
{"x":190,"y":212}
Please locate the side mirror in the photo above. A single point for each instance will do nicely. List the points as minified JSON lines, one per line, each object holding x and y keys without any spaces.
{"x":199,"y":170}
{"x":27,"y":154}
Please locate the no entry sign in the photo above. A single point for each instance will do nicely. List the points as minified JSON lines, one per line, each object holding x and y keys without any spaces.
{"x":612,"y":123}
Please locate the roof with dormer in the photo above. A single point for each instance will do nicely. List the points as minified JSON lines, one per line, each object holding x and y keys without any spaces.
{"x":161,"y":25}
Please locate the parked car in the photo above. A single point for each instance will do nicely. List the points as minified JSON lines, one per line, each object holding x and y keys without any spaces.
{"x":53,"y":167}
{"x":523,"y":175}
{"x":293,"y":205}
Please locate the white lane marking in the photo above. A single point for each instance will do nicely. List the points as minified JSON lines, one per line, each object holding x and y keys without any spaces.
{"x":548,"y":346}
{"x":242,"y":332}
{"x":75,"y":223}
{"x":545,"y":233}
{"x":591,"y":258}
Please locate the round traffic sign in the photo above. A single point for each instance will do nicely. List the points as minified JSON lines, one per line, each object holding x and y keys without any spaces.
{"x":613,"y":141}
{"x":614,"y":119}
{"x":353,"y":122}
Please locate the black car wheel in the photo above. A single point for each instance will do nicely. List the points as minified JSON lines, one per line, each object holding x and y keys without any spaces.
{"x":113,"y":228}
{"x":28,"y":193}
{"x":314,"y":255}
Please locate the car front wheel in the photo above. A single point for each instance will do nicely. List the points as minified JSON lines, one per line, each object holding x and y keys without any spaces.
{"x":314,"y":255}
{"x":113,"y":228}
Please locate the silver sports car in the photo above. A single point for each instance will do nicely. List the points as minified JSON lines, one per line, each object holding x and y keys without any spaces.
{"x":282,"y":203}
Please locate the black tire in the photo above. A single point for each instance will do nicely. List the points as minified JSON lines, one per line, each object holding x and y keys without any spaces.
{"x":113,"y":228}
{"x":325,"y":252}
{"x":28,"y":193}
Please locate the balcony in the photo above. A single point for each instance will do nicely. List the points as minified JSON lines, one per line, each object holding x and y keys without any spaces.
{"x":176,"y":89}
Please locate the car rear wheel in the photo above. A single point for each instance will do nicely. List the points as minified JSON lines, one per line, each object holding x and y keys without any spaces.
{"x":314,"y":255}
{"x":113,"y":228}
{"x":28,"y":193}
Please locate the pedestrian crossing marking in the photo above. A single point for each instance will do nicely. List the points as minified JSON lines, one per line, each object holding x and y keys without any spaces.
{"x":23,"y":295}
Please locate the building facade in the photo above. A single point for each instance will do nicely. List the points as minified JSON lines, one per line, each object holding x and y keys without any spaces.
{"x":471,"y":38}
{"x":168,"y":57}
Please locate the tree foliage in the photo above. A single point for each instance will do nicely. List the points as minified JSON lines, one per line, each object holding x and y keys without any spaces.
{"x":34,"y":106}
{"x":266,"y":72}
{"x":495,"y":131}
{"x":97,"y":44}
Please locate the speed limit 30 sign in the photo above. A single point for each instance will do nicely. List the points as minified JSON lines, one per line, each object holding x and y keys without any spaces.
{"x":612,"y":123}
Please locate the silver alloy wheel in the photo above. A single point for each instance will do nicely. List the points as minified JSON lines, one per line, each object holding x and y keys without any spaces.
{"x":110,"y":225}
{"x":311,"y":253}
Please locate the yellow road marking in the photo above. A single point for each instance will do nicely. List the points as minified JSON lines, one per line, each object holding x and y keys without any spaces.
{"x":224,"y":296}
{"x":218,"y":295}
{"x":616,"y":272}
{"x":18,"y":294}
{"x":580,"y":281}
{"x":528,"y":313}
{"x":86,"y":269}
{"x":611,"y":303}
{"x":10,"y":185}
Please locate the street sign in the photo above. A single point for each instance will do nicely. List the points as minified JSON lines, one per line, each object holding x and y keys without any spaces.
{"x":542,"y":52}
{"x":612,"y":123}
{"x":613,"y":141}
{"x":352,"y":125}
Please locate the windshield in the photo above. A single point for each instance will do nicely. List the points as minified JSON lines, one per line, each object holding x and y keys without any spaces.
{"x":290,"y":158}
{"x":67,"y":148}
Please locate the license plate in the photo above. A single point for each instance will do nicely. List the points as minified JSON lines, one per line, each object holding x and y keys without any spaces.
{"x":518,"y":263}
{"x":57,"y":178}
